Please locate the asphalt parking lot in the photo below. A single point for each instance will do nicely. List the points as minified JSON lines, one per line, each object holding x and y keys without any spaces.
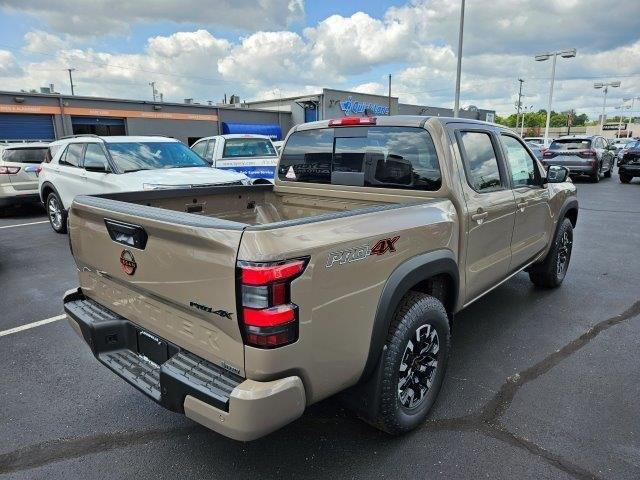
{"x":541,"y":384}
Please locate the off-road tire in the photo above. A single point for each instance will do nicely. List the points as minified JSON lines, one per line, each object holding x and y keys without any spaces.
{"x":625,"y":178}
{"x":547,"y":274}
{"x":58,"y":221}
{"x":415,"y":310}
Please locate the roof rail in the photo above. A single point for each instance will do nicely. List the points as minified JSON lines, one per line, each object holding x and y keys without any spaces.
{"x":80,"y":135}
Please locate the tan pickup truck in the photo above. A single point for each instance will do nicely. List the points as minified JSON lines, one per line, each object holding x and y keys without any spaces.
{"x":240,"y":306}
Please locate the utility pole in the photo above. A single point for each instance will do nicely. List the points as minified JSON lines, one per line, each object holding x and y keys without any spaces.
{"x":71,"y":78}
{"x":389,"y":94}
{"x":456,"y":105}
{"x":519,"y":101}
{"x":153,"y":89}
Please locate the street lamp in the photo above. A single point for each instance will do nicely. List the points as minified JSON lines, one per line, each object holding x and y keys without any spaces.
{"x":570,"y":53}
{"x":524,"y":114}
{"x":456,"y":102}
{"x":605,"y":86}
{"x":621,"y":107}
{"x":633,"y":101}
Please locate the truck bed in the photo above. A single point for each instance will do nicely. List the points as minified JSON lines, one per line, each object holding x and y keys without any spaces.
{"x":237,"y":207}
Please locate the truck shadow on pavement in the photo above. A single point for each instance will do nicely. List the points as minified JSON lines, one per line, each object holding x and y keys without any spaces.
{"x":327,"y":435}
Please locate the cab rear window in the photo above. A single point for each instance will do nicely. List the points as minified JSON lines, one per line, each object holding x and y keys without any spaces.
{"x":383,"y":157}
{"x":25,"y":155}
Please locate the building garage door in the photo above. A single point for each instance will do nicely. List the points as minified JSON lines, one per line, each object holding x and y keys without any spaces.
{"x":98,"y":126}
{"x":21,"y":126}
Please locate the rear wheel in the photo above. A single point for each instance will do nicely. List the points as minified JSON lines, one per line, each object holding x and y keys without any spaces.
{"x":607,"y":174}
{"x":414,"y":363}
{"x":57,"y":214}
{"x":625,"y":178}
{"x":551,"y":272}
{"x":595,"y":176}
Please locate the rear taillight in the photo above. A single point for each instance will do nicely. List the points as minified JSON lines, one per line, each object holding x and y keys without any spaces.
{"x":9,"y":170}
{"x":548,"y":154}
{"x":344,"y":121}
{"x":588,"y":153}
{"x":268,"y":318}
{"x":38,"y":170}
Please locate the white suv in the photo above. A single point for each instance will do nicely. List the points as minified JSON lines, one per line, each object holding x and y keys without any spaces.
{"x":91,"y":165}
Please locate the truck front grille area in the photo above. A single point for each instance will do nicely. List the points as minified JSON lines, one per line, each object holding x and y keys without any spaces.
{"x":156,"y":367}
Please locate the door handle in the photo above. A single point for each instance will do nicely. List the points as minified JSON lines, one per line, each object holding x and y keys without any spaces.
{"x":479,"y":217}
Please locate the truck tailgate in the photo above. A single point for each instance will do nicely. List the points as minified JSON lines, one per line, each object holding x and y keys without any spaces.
{"x":179,"y":284}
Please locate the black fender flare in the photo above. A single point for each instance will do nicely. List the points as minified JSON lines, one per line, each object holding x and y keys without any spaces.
{"x":402,"y":279}
{"x":569,"y":204}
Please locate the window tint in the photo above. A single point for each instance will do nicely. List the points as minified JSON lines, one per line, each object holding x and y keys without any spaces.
{"x":523,"y":169}
{"x":73,"y":155}
{"x":94,"y":155}
{"x":570,"y":144}
{"x":208,"y":154}
{"x":199,"y":148}
{"x":25,"y":155}
{"x":480,"y":161}
{"x":384,"y":157}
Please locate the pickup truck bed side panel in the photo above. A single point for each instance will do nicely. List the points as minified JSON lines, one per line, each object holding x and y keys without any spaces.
{"x":183,"y":286}
{"x":336,"y":324}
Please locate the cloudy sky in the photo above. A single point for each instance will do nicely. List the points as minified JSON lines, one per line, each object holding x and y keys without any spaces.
{"x":269,"y":48}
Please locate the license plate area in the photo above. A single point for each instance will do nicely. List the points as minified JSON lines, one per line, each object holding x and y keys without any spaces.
{"x":154,"y":348}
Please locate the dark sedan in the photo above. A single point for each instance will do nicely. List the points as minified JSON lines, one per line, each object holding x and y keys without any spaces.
{"x":629,"y":164}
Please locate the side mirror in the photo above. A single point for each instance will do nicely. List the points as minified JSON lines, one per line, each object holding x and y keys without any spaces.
{"x":557,"y":174}
{"x":91,"y":165}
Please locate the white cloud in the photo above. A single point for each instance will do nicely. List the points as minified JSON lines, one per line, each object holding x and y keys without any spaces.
{"x":8,"y":65}
{"x":416,"y":42}
{"x":99,"y":17}
{"x":38,"y":41}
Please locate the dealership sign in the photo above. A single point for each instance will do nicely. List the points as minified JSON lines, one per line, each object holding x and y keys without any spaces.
{"x":350,"y":106}
{"x":614,"y":126}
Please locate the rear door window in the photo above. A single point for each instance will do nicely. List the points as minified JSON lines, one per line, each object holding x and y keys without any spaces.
{"x":73,"y":155}
{"x":383,"y":157}
{"x":25,"y":155}
{"x":480,"y":161}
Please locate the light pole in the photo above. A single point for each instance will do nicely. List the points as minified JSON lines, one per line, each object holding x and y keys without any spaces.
{"x":71,"y":78}
{"x":153,"y":90}
{"x":456,"y":105}
{"x":621,"y":108}
{"x":633,"y":101}
{"x":606,"y":86}
{"x":524,"y":114}
{"x":570,"y":53}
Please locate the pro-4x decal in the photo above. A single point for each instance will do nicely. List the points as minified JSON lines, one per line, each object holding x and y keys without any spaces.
{"x":361,"y":252}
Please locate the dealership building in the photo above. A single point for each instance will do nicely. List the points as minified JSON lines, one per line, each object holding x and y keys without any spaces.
{"x":36,"y":116}
{"x":330,"y":103}
{"x":49,"y":116}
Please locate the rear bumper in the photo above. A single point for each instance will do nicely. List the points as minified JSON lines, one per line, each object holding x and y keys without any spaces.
{"x":574,"y":168}
{"x":14,"y":197}
{"x":632,"y":170}
{"x":238,"y":408}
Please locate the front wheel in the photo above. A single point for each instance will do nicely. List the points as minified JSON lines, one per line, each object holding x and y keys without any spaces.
{"x":57,"y":214}
{"x":551,"y":272}
{"x":414,"y":363}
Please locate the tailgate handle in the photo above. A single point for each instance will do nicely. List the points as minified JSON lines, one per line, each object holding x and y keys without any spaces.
{"x":126,"y":234}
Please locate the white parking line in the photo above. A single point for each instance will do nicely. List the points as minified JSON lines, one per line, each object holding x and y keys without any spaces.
{"x":24,"y":224}
{"x":32,"y":325}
